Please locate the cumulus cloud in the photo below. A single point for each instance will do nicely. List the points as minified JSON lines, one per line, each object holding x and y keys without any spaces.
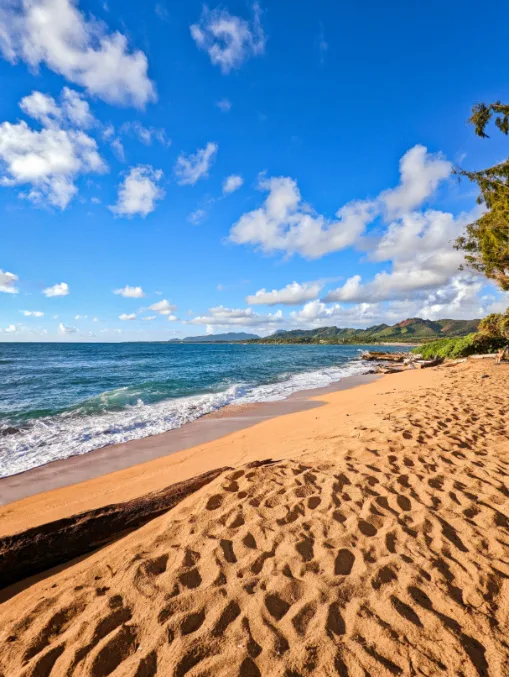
{"x":229,"y":40}
{"x":8,"y":282}
{"x":130,"y":292}
{"x":41,"y":107}
{"x":61,"y":289}
{"x":292,"y":295}
{"x":163,"y":307}
{"x":246,"y":317}
{"x":420,"y":172}
{"x":458,"y":299}
{"x":232,"y":183}
{"x":63,"y":329}
{"x":316,"y":313}
{"x":32,"y":313}
{"x":72,"y":109}
{"x":287,"y":224}
{"x":190,"y":168}
{"x":76,"y":109}
{"x":127,"y":316}
{"x":149,"y":318}
{"x":54,"y":33}
{"x":139,"y":192}
{"x":50,"y":159}
{"x":419,"y":247}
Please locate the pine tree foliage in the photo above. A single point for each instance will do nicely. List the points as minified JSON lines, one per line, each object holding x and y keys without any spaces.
{"x":486,"y":240}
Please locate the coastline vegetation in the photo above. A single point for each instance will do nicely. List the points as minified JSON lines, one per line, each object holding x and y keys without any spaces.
{"x":411,"y":331}
{"x":493,"y":335}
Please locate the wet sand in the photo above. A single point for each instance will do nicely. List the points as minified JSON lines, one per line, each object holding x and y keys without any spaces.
{"x":115,"y":457}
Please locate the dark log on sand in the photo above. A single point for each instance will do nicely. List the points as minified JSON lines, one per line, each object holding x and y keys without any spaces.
{"x":44,"y":547}
{"x":374,"y":356}
{"x":48,"y":545}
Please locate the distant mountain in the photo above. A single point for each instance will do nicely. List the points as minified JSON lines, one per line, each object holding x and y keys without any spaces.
{"x":217,"y":338}
{"x":413,"y":330}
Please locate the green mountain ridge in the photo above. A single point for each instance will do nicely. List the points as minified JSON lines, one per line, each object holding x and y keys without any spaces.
{"x":412,"y":330}
{"x":217,"y":338}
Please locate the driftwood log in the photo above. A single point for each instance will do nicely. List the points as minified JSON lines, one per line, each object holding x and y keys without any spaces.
{"x":377,"y":356}
{"x":43,"y":547}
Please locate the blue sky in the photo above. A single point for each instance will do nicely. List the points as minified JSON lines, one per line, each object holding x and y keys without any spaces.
{"x":169,"y":168}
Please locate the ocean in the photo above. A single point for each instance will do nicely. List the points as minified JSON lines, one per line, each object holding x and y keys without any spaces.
{"x":59,"y":400}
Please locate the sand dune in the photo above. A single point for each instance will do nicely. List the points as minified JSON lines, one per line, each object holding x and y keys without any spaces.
{"x":383,"y":552}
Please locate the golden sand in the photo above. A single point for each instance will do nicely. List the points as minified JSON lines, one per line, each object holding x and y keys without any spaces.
{"x":376,"y":544}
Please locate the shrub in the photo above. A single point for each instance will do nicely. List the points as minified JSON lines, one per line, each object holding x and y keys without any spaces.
{"x":453,"y":348}
{"x":495,"y":325}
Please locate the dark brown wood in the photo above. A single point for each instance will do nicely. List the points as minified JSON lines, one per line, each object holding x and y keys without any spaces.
{"x":43,"y":547}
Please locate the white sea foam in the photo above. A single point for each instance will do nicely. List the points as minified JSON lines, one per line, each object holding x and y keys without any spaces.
{"x":71,"y":434}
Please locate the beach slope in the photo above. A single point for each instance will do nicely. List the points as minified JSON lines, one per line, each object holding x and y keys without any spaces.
{"x":374,"y":542}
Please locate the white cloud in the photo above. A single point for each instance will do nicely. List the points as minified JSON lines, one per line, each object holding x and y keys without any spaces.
{"x":56,"y":34}
{"x":421,"y":172}
{"x":229,"y":40}
{"x":146,"y":134}
{"x":48,"y":160}
{"x":422,"y":257}
{"x":285,"y":223}
{"x":172,"y":318}
{"x":8,"y":282}
{"x":61,"y":289}
{"x":32,"y":313}
{"x":126,"y":316}
{"x":80,"y":317}
{"x":76,"y":109}
{"x":118,"y":149}
{"x":190,"y":168}
{"x":459,"y":299}
{"x":232,"y":183}
{"x":130,"y":292}
{"x":10,"y":329}
{"x":149,"y":318}
{"x":163,"y":307}
{"x":246,"y":317}
{"x":456,"y":300}
{"x":63,"y":329}
{"x":291,"y":295}
{"x":224,"y":105}
{"x":41,"y":107}
{"x":139,"y":192}
{"x":73,"y":109}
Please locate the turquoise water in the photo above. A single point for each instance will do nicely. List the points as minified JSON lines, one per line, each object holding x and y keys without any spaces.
{"x":59,"y":400}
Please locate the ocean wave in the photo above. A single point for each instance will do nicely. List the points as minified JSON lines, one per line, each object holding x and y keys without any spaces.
{"x":122,"y":415}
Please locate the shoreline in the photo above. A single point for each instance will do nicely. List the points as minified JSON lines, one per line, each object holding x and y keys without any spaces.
{"x":376,"y":523}
{"x":115,"y":457}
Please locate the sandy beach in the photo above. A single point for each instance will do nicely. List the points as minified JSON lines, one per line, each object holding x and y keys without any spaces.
{"x":373,"y":540}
